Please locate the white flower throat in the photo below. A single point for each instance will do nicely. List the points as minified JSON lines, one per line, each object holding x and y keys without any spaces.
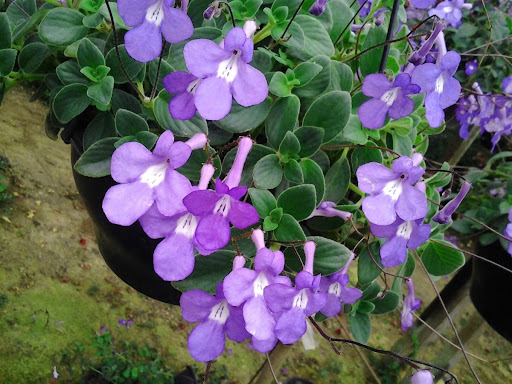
{"x":193,"y":86}
{"x":186,"y":225}
{"x":220,"y":312}
{"x":228,"y":69}
{"x":259,"y":284}
{"x":155,"y":13}
{"x":390,"y":96}
{"x":393,"y":189}
{"x":301,"y":299}
{"x":404,"y":230}
{"x":439,"y":84}
{"x":223,"y":205}
{"x":154,"y":175}
{"x":335,"y":289}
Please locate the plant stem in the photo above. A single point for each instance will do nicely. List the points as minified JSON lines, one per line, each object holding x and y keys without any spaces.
{"x":355,"y":189}
{"x":464,"y":146}
{"x":263,"y":34}
{"x":389,"y":36}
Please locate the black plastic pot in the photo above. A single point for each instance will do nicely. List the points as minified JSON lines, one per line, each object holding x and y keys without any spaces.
{"x":128,"y":251}
{"x":491,"y":287}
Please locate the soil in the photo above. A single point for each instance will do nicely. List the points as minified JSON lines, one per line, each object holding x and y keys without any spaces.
{"x":56,"y":292}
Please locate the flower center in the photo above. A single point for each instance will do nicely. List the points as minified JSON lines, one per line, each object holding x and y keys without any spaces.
{"x":389,"y":97}
{"x":447,"y":9}
{"x":301,"y":300}
{"x":193,"y":86}
{"x":404,"y":230}
{"x":223,"y":205}
{"x":439,"y":84}
{"x":335,"y":289}
{"x":220,"y":312}
{"x":155,"y":13}
{"x":393,"y":189}
{"x":259,"y":284}
{"x":228,"y":69}
{"x":154,"y":175}
{"x":187,"y":225}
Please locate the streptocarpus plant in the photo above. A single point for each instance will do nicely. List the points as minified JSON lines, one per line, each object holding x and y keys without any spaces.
{"x":271,"y":121}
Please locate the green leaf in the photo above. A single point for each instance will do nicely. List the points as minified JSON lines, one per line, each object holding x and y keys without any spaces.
{"x":330,"y":112}
{"x":101,"y":127}
{"x":360,"y":326}
{"x":5,"y":32}
{"x":208,"y":272}
{"x":124,"y":100}
{"x":263,"y":201}
{"x":320,"y":82}
{"x":313,"y":175}
{"x":289,"y":230}
{"x":371,"y":291}
{"x":289,"y":145}
{"x":69,"y":73}
{"x":93,"y":20}
{"x":341,"y":15}
{"x":267,"y":172}
{"x":353,"y":131}
{"x":305,"y":72}
{"x":269,"y":225}
{"x":102,"y":91}
{"x":125,"y":139}
{"x":117,"y":19}
{"x":147,"y":139}
{"x":132,"y":67}
{"x":342,"y":77}
{"x":17,"y":14}
{"x":62,"y":26}
{"x":362,"y":156}
{"x":89,"y":55}
{"x":242,"y":119}
{"x":367,"y":271}
{"x":95,"y":162}
{"x":316,"y":38}
{"x":282,"y":118}
{"x":402,"y":145}
{"x":257,"y":152}
{"x":310,"y":139}
{"x":7,"y":61}
{"x":370,"y":61}
{"x":276,"y":215}
{"x":32,"y":56}
{"x":279,"y":85}
{"x":293,"y":172}
{"x":185,"y":128}
{"x":441,"y":260}
{"x":386,"y":304}
{"x":298,"y":201}
{"x":365,"y":307}
{"x":129,"y":123}
{"x":91,"y":5}
{"x":337,"y":181}
{"x":71,"y":101}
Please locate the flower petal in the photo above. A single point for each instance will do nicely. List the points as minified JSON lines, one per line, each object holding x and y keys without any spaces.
{"x":372,"y":113}
{"x":279,"y":297}
{"x":419,"y":236}
{"x":264,"y":346}
{"x":176,"y":25}
{"x":213,"y":232}
{"x":201,"y":202}
{"x":379,"y":209}
{"x":403,"y":106}
{"x":393,"y":252}
{"x":196,"y":305}
{"x":203,"y":57}
{"x":173,"y":258}
{"x":125,"y":203}
{"x":178,"y":82}
{"x":372,"y":177}
{"x":291,"y":326}
{"x":450,"y":62}
{"x":350,"y":295}
{"x":434,"y":112}
{"x":235,"y":325}
{"x":234,"y":40}
{"x":213,"y":98}
{"x":170,"y":193}
{"x":425,"y":76}
{"x":144,"y":43}
{"x":133,"y":12}
{"x":259,"y":322}
{"x":242,"y":215}
{"x":157,"y":225}
{"x":332,"y":306}
{"x":250,"y":86}
{"x":206,"y":341}
{"x":131,"y":160}
{"x":375,"y":85}
{"x":179,"y":153}
{"x":451,"y":92}
{"x":412,"y":203}
{"x":316,"y":301}
{"x":182,"y":106}
{"x":164,"y":144}
{"x":238,"y":286}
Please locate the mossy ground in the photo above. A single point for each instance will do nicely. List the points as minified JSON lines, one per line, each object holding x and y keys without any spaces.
{"x":56,"y":291}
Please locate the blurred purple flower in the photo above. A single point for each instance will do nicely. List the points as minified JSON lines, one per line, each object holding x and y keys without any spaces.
{"x":422,"y":377}
{"x":126,"y":323}
{"x":327,"y":209}
{"x":318,"y":7}
{"x":508,"y":231}
{"x":471,"y":67}
{"x":450,"y":11}
{"x":422,"y":4}
{"x":445,"y":214}
{"x":410,"y":304}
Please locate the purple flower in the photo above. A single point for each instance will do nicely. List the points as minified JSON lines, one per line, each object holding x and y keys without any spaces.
{"x":391,"y":190}
{"x":173,"y":258}
{"x":366,"y":7}
{"x":226,"y":74}
{"x":327,"y":209}
{"x":506,"y":85}
{"x":294,"y":304}
{"x":419,"y":56}
{"x":445,"y":214}
{"x":422,"y":377}
{"x":436,"y":80}
{"x":318,"y":7}
{"x":212,"y":11}
{"x":450,"y":11}
{"x":508,"y":231}
{"x":401,"y":235}
{"x":146,"y":178}
{"x":471,"y":67}
{"x":221,"y":207}
{"x":126,"y":323}
{"x":184,"y":85}
{"x":216,"y":317}
{"x":422,"y":4}
{"x":410,"y":304}
{"x":467,"y":114}
{"x":245,"y":287}
{"x":151,"y":19}
{"x":386,"y":99}
{"x":337,"y":291}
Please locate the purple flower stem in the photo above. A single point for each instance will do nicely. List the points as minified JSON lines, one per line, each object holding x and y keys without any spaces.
{"x":389,"y":36}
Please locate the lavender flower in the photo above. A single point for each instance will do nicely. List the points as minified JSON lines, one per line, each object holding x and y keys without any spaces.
{"x":296,"y":303}
{"x":151,"y":19}
{"x":184,"y":85}
{"x":419,"y":56}
{"x":471,"y":67}
{"x":391,"y":190}
{"x":445,"y":214}
{"x":318,"y":7}
{"x":422,"y":4}
{"x":220,"y":207}
{"x":467,"y":114}
{"x":436,"y":80}
{"x":450,"y":11}
{"x":213,"y":11}
{"x":422,"y":377}
{"x":146,"y":178}
{"x":367,"y":7}
{"x":508,"y":231}
{"x":410,"y":304}
{"x":216,"y":317}
{"x":337,"y":291}
{"x":401,"y":235}
{"x":226,"y":74}
{"x":327,"y":209}
{"x":126,"y":323}
{"x":506,"y":85}
{"x":245,"y":287}
{"x":386,"y":99}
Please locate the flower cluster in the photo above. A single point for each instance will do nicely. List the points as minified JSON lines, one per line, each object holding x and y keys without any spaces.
{"x":261,"y":304}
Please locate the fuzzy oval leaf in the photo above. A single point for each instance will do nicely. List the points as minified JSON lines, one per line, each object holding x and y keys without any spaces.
{"x":360,"y":326}
{"x":32,"y":56}
{"x":337,"y":181}
{"x":101,"y":127}
{"x":298,"y":201}
{"x":441,"y":260}
{"x":310,"y":139}
{"x":71,"y":101}
{"x":263,"y":201}
{"x":289,"y":230}
{"x":62,"y":26}
{"x":243,"y":119}
{"x":267,"y":172}
{"x":95,"y":162}
{"x":313,"y":175}
{"x":129,"y":123}
{"x":282,"y":118}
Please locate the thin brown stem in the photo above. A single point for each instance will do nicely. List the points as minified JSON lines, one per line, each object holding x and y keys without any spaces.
{"x":449,"y":317}
{"x":349,"y":23}
{"x":271,"y":368}
{"x":335,"y":147}
{"x":293,"y":18}
{"x":155,"y":84}
{"x":207,"y":372}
